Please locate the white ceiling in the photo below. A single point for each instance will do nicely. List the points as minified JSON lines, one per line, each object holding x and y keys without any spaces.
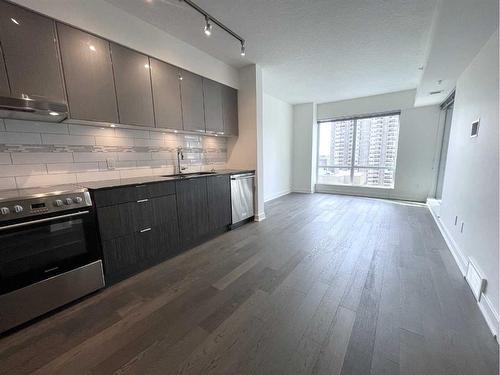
{"x":315,"y":50}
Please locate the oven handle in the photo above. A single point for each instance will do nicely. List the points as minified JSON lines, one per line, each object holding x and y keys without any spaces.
{"x":43,"y":220}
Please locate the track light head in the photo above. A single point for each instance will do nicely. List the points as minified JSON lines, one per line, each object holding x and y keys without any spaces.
{"x":208,"y":27}
{"x":242,"y":52}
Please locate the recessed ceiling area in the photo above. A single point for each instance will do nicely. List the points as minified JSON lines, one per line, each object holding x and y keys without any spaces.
{"x":313,"y":51}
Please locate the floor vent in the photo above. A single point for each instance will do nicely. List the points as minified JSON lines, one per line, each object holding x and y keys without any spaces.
{"x":474,"y":279}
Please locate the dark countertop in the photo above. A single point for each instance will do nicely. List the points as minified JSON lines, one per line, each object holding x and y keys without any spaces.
{"x":96,"y":185}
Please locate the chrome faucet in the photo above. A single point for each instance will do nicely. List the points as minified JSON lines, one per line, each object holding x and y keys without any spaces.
{"x":180,"y":155}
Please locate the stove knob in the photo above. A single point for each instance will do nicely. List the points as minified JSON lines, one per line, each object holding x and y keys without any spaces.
{"x":68,"y":201}
{"x":4,"y":210}
{"x":78,"y":200}
{"x":58,"y":202}
{"x":18,"y":208}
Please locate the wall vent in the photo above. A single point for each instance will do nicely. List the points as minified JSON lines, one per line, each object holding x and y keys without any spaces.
{"x":475,"y":281}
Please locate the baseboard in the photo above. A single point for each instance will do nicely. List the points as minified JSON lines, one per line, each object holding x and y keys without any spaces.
{"x":260,"y":216}
{"x":370,"y":192}
{"x":485,"y":306}
{"x":277,"y":195}
{"x":302,"y":191}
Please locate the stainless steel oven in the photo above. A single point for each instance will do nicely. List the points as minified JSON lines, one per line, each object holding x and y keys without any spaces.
{"x":49,"y":252}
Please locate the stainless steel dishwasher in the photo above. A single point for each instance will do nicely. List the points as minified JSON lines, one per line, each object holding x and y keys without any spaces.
{"x":242,"y":187}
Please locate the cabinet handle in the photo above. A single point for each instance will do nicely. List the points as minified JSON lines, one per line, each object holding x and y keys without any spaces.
{"x":142,"y":200}
{"x":139,"y":186}
{"x":145,"y":230}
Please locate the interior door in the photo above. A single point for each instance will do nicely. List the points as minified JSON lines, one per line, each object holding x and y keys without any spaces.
{"x":444,"y":150}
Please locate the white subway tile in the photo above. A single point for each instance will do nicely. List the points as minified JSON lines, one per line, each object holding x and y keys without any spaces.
{"x":5,"y":158}
{"x":125,"y":164}
{"x":97,"y":176}
{"x":133,"y":155}
{"x":162,"y":171}
{"x":163,"y":155}
{"x":41,"y":157}
{"x":60,"y":139}
{"x":131,"y":173}
{"x":22,"y":170}
{"x":20,"y":138}
{"x":114,"y":141}
{"x":148,"y":142}
{"x":35,"y":127}
{"x":131,"y":133}
{"x":45,"y":180}
{"x":93,"y":156}
{"x":91,"y":130}
{"x":72,"y":167}
{"x":7,"y":183}
{"x":154,"y":163}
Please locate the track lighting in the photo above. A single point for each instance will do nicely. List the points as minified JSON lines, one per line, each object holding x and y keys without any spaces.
{"x":208,"y":27}
{"x":208,"y":24}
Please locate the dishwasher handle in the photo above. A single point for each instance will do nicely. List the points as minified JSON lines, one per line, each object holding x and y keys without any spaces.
{"x":242,"y":176}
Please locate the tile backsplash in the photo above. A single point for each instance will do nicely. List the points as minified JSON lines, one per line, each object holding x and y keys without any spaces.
{"x":39,"y":153}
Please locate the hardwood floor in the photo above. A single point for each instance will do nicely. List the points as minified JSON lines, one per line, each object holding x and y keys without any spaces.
{"x":325,"y":285}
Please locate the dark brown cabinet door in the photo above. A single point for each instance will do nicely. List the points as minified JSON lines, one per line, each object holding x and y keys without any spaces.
{"x":192,"y":102}
{"x":230,"y":110}
{"x":88,"y":74}
{"x":133,"y":86}
{"x":192,"y":209}
{"x":30,"y":51}
{"x":166,"y":94}
{"x":166,"y":222}
{"x":4,"y":82}
{"x":219,"y":201}
{"x":212,"y":98}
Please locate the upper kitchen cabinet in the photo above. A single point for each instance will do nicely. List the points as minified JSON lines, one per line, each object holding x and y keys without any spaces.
{"x":166,"y":94}
{"x":192,"y":102}
{"x":4,"y":82}
{"x":30,"y":50}
{"x":212,"y":97}
{"x":230,"y":110}
{"x":133,"y":86}
{"x":88,"y":74}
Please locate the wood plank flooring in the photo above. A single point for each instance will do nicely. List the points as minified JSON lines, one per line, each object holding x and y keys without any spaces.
{"x":325,"y":285}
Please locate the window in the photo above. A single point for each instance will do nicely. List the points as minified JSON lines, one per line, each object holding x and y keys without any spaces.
{"x":358,"y":151}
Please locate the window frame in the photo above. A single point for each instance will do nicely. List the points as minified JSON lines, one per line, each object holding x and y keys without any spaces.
{"x":352,"y":167}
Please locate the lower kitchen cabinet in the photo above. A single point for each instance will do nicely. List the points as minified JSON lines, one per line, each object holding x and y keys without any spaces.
{"x":165,"y":220}
{"x":192,"y":208}
{"x":219,"y":201}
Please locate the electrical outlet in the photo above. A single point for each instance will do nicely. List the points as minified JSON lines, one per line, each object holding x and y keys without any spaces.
{"x":110,"y":163}
{"x":456,"y":220}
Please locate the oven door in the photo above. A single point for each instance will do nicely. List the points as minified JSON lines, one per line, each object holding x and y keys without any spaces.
{"x":46,"y":246}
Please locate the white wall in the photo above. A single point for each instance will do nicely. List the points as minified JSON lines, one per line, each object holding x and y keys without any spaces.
{"x":112,"y":23}
{"x":471,"y":182}
{"x":277,"y":147}
{"x":245,"y":151}
{"x":415,"y":167}
{"x":304,"y":149}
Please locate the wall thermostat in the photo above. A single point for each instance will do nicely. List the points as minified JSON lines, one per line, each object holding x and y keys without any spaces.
{"x":474,"y":128}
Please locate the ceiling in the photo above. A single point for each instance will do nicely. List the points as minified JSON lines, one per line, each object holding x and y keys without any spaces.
{"x":315,"y":50}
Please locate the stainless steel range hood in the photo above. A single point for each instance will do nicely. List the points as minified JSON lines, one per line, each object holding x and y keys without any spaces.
{"x":32,"y":109}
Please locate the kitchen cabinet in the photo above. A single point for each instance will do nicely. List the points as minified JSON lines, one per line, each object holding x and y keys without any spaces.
{"x":88,"y":74}
{"x":4,"y":82}
{"x":166,"y":94}
{"x":137,"y":234}
{"x":192,"y":102}
{"x":219,"y":201}
{"x":212,"y":99}
{"x":133,"y":86}
{"x":230,"y":110}
{"x":30,"y":51}
{"x":192,"y":210}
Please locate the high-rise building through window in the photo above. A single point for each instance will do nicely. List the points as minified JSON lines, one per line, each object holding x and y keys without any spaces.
{"x":358,"y":151}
